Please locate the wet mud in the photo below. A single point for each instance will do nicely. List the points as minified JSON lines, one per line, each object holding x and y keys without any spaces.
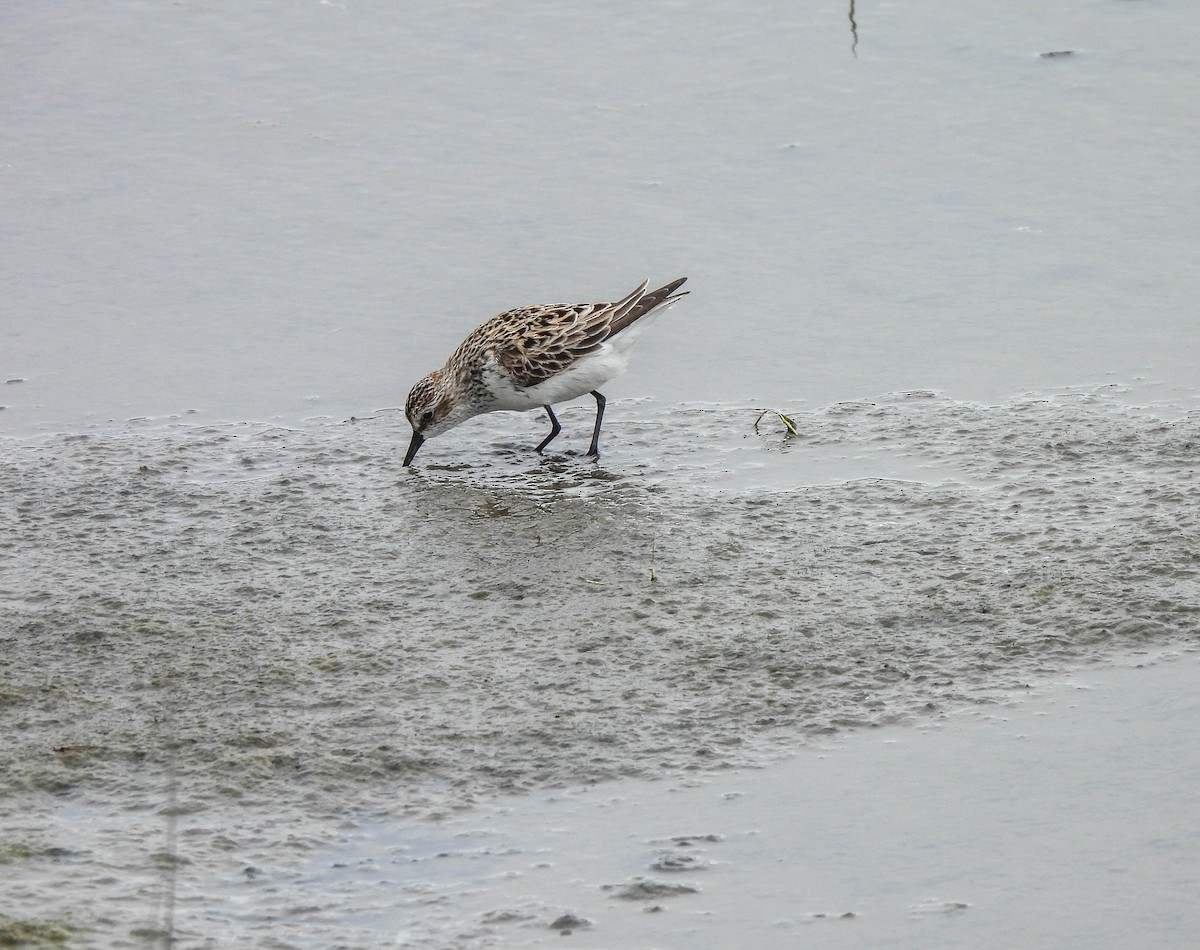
{"x":255,"y":633}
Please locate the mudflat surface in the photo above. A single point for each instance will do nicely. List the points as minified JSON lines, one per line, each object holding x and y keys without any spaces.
{"x":266,"y":632}
{"x":1058,"y":817}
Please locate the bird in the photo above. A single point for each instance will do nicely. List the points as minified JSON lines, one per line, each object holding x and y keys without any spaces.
{"x":533,"y":357}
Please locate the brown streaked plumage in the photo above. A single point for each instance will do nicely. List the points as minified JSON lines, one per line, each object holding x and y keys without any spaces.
{"x":534,"y":356}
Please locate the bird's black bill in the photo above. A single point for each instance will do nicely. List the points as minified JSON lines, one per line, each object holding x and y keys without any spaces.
{"x":417,"y":441}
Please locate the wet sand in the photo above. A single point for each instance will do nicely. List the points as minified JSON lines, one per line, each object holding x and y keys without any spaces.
{"x":1062,"y":817}
{"x":260,"y":639}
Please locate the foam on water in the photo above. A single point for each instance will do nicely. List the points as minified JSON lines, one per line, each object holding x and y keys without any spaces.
{"x":290,"y":629}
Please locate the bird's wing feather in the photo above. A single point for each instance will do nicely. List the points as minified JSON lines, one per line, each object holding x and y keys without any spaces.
{"x":532,"y":344}
{"x":537,"y":343}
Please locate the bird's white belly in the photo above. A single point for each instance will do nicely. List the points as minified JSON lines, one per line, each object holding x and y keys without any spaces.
{"x":586,"y":374}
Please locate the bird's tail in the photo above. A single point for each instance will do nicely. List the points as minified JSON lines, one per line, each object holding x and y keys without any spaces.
{"x":644,"y":303}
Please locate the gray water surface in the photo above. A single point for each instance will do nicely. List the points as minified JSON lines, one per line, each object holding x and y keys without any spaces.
{"x":273,"y":213}
{"x":1058,"y":818}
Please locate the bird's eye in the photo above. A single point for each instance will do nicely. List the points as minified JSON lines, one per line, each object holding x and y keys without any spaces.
{"x":426,"y":419}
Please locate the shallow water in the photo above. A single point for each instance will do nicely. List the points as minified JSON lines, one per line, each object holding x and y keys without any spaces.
{"x":1058,"y":818}
{"x":284,"y":629}
{"x":266,"y":214}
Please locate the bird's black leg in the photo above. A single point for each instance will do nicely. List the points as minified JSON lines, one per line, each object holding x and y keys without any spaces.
{"x":555,"y":429}
{"x":595,"y":449}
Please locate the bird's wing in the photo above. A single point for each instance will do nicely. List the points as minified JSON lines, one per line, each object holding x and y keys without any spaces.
{"x":532,"y":344}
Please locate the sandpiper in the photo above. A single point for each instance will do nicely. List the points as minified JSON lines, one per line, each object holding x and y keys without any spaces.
{"x":531,"y":357}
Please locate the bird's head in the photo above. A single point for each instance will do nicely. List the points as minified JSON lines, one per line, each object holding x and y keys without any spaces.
{"x":431,"y":408}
